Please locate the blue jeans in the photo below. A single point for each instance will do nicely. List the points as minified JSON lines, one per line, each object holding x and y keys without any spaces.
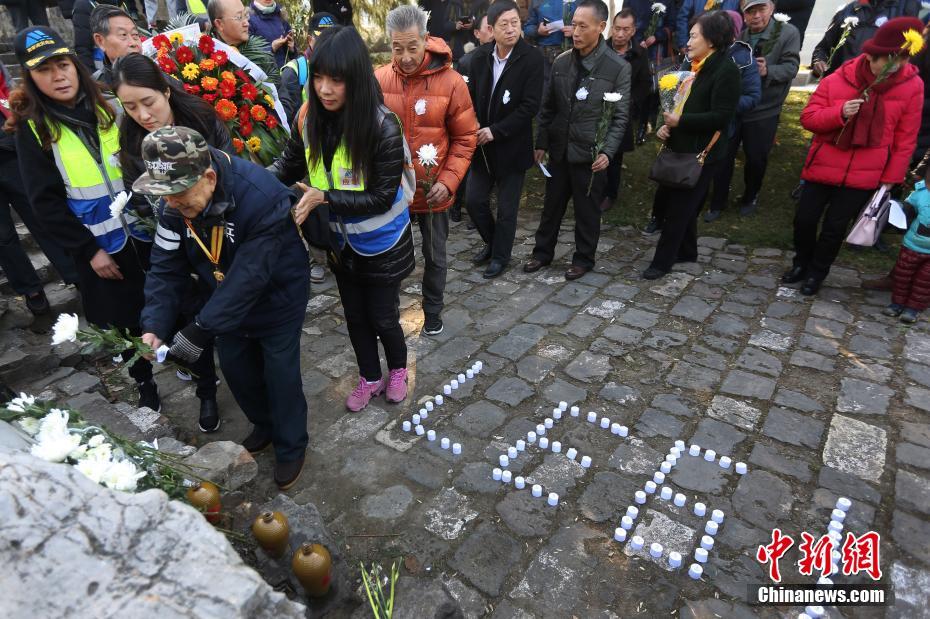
{"x":263,"y":374}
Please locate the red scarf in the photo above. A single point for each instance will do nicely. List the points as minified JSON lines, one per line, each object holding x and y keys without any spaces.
{"x":5,"y":96}
{"x":865,"y":129}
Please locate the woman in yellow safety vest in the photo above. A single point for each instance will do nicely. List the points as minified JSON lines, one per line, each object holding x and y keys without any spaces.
{"x":353,"y":151}
{"x":68,"y":146}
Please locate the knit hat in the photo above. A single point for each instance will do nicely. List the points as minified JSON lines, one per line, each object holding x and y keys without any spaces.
{"x":890,"y":37}
{"x":737,"y":20}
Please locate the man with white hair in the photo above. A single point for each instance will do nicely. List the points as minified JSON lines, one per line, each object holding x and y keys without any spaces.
{"x":230,"y":21}
{"x":434,"y":106}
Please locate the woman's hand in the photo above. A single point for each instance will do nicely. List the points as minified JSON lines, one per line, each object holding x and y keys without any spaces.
{"x":439,"y":194}
{"x":663,"y":133}
{"x":311,"y":199}
{"x":851,"y":108}
{"x":104,"y":266}
{"x":671,"y":119}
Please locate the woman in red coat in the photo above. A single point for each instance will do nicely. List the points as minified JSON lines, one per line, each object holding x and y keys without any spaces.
{"x":860,"y":143}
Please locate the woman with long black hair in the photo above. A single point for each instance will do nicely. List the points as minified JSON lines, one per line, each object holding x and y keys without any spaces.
{"x":151,"y":102}
{"x":67,"y":139}
{"x":352,"y":149}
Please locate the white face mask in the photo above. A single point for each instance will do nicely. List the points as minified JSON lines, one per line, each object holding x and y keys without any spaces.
{"x":267,"y":10}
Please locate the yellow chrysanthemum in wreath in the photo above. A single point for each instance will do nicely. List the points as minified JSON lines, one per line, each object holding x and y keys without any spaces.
{"x":254,"y":144}
{"x":668,"y":82}
{"x":913,"y":42}
{"x":190,"y":72}
{"x":176,"y":37}
{"x":269,"y":100}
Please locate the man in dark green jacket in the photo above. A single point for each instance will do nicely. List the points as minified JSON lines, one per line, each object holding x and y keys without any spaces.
{"x":573,"y":105}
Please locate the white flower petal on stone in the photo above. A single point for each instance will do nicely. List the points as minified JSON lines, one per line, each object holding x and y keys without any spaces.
{"x":65,"y":329}
{"x":612,"y":97}
{"x":781,"y":17}
{"x":19,"y":404}
{"x":93,"y":468}
{"x":420,"y":107}
{"x":57,"y":447}
{"x":30,"y":425}
{"x":118,"y":205}
{"x":658,"y":7}
{"x":581,"y":94}
{"x":427,"y":155}
{"x":122,"y":475}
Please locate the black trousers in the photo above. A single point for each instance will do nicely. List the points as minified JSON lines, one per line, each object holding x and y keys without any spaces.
{"x":757,"y":138}
{"x":570,"y":181}
{"x":680,"y":208}
{"x":373,"y":313}
{"x":263,"y":374}
{"x":24,"y":11}
{"x":838,"y":206}
{"x":614,"y":170}
{"x":499,"y":233}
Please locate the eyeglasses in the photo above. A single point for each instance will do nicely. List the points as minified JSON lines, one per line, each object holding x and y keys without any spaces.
{"x":238,"y":17}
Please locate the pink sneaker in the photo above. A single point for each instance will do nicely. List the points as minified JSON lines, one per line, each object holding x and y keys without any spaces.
{"x":363,"y":394}
{"x":397,"y":386}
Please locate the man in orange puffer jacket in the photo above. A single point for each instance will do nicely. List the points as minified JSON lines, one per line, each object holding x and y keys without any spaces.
{"x":434,"y":107}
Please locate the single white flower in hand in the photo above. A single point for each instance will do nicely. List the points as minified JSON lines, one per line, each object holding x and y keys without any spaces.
{"x":114,"y":161}
{"x":506,"y":98}
{"x":465,"y":77}
{"x":65,"y":329}
{"x":850,"y":22}
{"x":612,"y":97}
{"x":307,"y":5}
{"x":581,"y":94}
{"x":119,"y":203}
{"x":781,"y":17}
{"x":658,"y":7}
{"x":420,"y":107}
{"x":427,"y":155}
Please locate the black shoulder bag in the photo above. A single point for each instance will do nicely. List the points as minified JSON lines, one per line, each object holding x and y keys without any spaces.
{"x":680,"y":170}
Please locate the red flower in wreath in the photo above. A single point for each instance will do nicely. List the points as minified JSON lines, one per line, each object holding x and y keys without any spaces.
{"x":248,"y":92}
{"x":210,"y":98}
{"x":271,"y":122}
{"x":258,"y":113}
{"x":205,"y":44}
{"x":245,"y":129}
{"x":225,"y":109}
{"x":219,"y":57}
{"x":161,"y":41}
{"x":238,"y":145}
{"x":209,"y":83}
{"x":242,"y":75}
{"x":244,"y":116}
{"x":167,"y":65}
{"x":228,"y":88}
{"x":184,"y":54}
{"x":192,"y":89}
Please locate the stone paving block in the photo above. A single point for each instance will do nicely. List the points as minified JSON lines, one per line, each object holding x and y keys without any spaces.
{"x":425,"y":469}
{"x":470,"y":601}
{"x":604,"y":308}
{"x":912,"y":492}
{"x":867,"y":370}
{"x":476,"y":477}
{"x":918,"y":397}
{"x":656,"y":423}
{"x":845,"y":484}
{"x":914,"y":455}
{"x":699,"y":475}
{"x":777,"y":326}
{"x":526,"y":515}
{"x":449,"y":513}
{"x":622,"y":335}
{"x":517,"y":341}
{"x":693,"y":308}
{"x":705,"y":357}
{"x":856,"y":448}
{"x":748,"y":385}
{"x":824,"y":327}
{"x":797,"y":401}
{"x":389,"y":504}
{"x":479,"y":418}
{"x":863,"y":398}
{"x":807,"y":359}
{"x":822,"y":345}
{"x":918,"y":373}
{"x":782,"y":309}
{"x":756,"y":360}
{"x":636,"y":458}
{"x":721,"y":437}
{"x":690,"y":376}
{"x":733,"y":411}
{"x":559,"y":390}
{"x":78,"y":382}
{"x":911,"y":590}
{"x":663,"y":340}
{"x":655,"y":526}
{"x":674,"y":404}
{"x":749,"y":296}
{"x":916,"y":432}
{"x":606,"y":496}
{"x":728,"y":325}
{"x":638,"y":318}
{"x":917,"y":347}
{"x":672,"y":285}
{"x":589,"y":367}
{"x":486,"y":557}
{"x":769,"y":458}
{"x":723,"y":344}
{"x":762,"y":499}
{"x":620,"y":290}
{"x":510,"y":390}
{"x":771,"y":340}
{"x":534,"y":369}
{"x":793,"y":428}
{"x":746,"y":311}
{"x":742,"y":536}
{"x":550,"y":314}
{"x":449,"y":356}
{"x":573,"y":294}
{"x":833,"y":311}
{"x":556,"y":473}
{"x":869,"y":347}
{"x":582,"y":326}
{"x":912,"y":535}
{"x":621,"y":394}
{"x":713,"y":607}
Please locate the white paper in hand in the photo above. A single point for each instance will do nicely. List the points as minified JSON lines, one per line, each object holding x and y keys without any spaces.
{"x":896,"y":216}
{"x":555,"y":25}
{"x":544,"y":170}
{"x":162,"y":353}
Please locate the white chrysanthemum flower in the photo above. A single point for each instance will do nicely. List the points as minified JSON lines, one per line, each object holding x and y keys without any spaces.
{"x":65,"y":329}
{"x":781,"y":17}
{"x":29,"y":425}
{"x":54,"y":423}
{"x":612,"y":97}
{"x":581,"y":94}
{"x":57,"y":447}
{"x":95,"y":441}
{"x":94,"y":469}
{"x":850,"y":22}
{"x":122,"y":475}
{"x":420,"y":107}
{"x":658,"y":7}
{"x":119,"y":203}
{"x":18,"y":405}
{"x":465,"y":77}
{"x":427,"y":155}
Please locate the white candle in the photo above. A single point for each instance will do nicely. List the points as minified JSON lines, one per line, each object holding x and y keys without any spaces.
{"x":655,"y":549}
{"x":626,"y":523}
{"x":548,"y":422}
{"x":511,"y":452}
{"x":454,"y":383}
{"x":461,"y":378}
{"x":700,"y":509}
{"x":469,"y":373}
{"x":835,"y":526}
{"x":620,"y":534}
{"x":674,"y":559}
{"x":838,"y":515}
{"x":406,"y":426}
{"x":700,"y":555}
{"x":725,"y":462}
{"x":637,"y":542}
{"x":695,"y":571}
{"x":741,"y":468}
{"x":428,"y":406}
{"x":447,"y":389}
{"x":615,"y":428}
{"x":504,"y":460}
{"x":444,"y":442}
{"x":563,"y":405}
{"x":710,"y":455}
{"x":556,"y":447}
{"x":659,"y":477}
{"x":680,"y":500}
{"x":814,"y":611}
{"x":711,"y":527}
{"x":544,"y":443}
{"x":553,"y":499}
{"x":519,"y":482}
{"x":506,"y":476}
{"x":479,"y":365}
{"x":416,"y":419}
{"x":420,"y":430}
{"x":537,"y":490}
{"x":439,"y":400}
{"x":521,"y":445}
{"x":592,"y":416}
{"x":456,"y":448}
{"x":571,"y":453}
{"x":575,"y":411}
{"x":586,"y":462}
{"x":666,"y":493}
{"x":680,"y":445}
{"x":639,"y":497}
{"x":707,"y":542}
{"x":431,"y":435}
{"x":843,"y":504}
{"x":556,"y":414}
{"x":530,"y":437}
{"x":540,"y":429}
{"x":665,"y":468}
{"x":651,"y":487}
{"x":694,"y":450}
{"x":605,"y":422}
{"x":632,"y":512}
{"x":717,"y":516}
{"x":424,"y":414}
{"x":496,"y":474}
{"x":624,"y":431}
{"x":671,"y":459}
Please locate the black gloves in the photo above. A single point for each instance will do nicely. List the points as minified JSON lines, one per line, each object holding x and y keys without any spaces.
{"x":189,"y":343}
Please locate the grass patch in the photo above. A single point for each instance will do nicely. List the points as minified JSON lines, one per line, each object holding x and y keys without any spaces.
{"x":772,"y":224}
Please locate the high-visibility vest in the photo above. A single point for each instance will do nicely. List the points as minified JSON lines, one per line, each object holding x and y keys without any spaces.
{"x":196,"y":7}
{"x":366,"y":235}
{"x":300,"y":66}
{"x":91,"y":187}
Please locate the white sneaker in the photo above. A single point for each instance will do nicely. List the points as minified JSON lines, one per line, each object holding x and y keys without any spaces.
{"x":182,"y":375}
{"x":317,"y":273}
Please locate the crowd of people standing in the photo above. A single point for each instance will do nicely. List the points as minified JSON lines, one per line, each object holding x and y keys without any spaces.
{"x":378,"y":159}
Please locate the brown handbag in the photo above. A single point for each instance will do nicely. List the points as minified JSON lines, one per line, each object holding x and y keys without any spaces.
{"x":680,"y":170}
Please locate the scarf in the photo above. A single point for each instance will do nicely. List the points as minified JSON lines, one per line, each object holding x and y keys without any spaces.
{"x":865,"y":129}
{"x":265,"y":10}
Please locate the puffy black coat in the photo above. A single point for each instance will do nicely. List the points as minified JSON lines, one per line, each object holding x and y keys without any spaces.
{"x":66,"y":7}
{"x":266,"y":266}
{"x":388,"y":163}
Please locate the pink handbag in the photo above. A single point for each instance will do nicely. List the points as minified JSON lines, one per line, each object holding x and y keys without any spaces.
{"x":871,"y":220}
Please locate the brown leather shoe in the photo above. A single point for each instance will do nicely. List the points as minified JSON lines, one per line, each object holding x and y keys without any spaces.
{"x":534,"y":265}
{"x":574,"y":272}
{"x":286,"y":474}
{"x":879,"y":283}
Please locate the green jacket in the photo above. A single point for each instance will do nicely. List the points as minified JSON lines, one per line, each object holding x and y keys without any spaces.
{"x":567,"y":125}
{"x":710,"y":107}
{"x":782,"y":64}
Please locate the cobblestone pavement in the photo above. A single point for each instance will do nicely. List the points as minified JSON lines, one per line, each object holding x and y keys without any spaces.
{"x":821,"y":397}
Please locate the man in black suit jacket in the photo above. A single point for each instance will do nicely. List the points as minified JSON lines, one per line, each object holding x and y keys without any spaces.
{"x":505,"y":81}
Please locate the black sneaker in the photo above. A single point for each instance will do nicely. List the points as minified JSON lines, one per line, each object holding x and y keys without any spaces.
{"x":38,"y":303}
{"x":209,"y":416}
{"x":432,"y":325}
{"x":652,"y":227}
{"x":256,"y":441}
{"x":148,"y":395}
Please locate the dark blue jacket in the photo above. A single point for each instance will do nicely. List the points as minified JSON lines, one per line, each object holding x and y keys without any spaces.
{"x":551,"y":10}
{"x":750,"y":81}
{"x":267,"y":280}
{"x":642,"y":10}
{"x":695,"y":8}
{"x":271,"y":27}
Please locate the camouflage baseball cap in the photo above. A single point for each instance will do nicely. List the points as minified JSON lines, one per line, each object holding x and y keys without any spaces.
{"x":175,"y":159}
